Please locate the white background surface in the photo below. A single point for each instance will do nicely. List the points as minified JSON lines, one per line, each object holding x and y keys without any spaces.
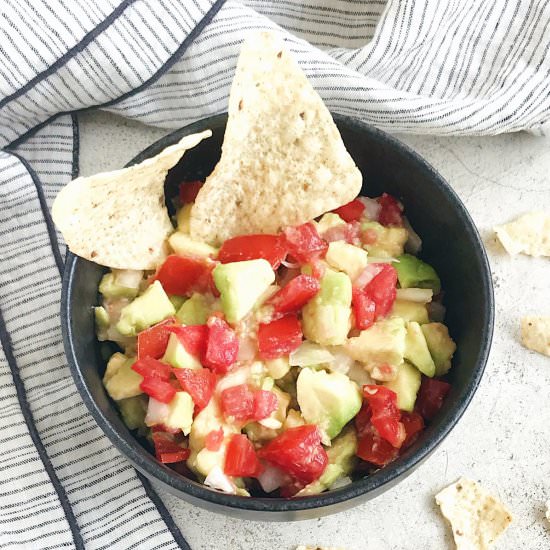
{"x":503,"y":440}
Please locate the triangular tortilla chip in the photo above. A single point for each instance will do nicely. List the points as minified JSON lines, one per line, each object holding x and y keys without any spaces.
{"x":119,"y":219}
{"x":477,"y":518}
{"x":529,"y":234}
{"x":283,"y":161}
{"x":535,"y":334}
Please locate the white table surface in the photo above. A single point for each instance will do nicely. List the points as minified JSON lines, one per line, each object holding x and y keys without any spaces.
{"x":503,"y":440}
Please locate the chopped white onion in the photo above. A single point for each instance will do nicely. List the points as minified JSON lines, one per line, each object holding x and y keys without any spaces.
{"x":367,"y":275}
{"x":372,"y":208}
{"x":128,"y":278}
{"x":414,"y":242}
{"x":290,"y":265}
{"x":218,"y":480}
{"x":341,"y":361}
{"x":436,"y":311}
{"x":309,"y":354}
{"x":271,"y":478}
{"x":235,"y":378}
{"x":247,"y":348}
{"x":271,"y":423}
{"x":359,"y":375}
{"x":157,"y":412}
{"x":420,"y":295}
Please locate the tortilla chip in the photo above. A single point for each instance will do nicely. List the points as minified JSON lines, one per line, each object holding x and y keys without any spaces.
{"x":119,"y":219}
{"x":529,"y":234}
{"x":283,"y":161}
{"x":535,"y":334}
{"x":477,"y":518}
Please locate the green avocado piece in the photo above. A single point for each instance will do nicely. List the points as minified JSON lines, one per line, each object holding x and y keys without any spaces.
{"x":120,"y":380}
{"x":406,"y":386}
{"x":184,"y":245}
{"x":416,"y":350}
{"x":441,"y":346}
{"x":410,"y":311}
{"x":414,"y":273}
{"x":132,"y":410}
{"x":101,"y":318}
{"x":177,"y":301}
{"x":329,"y":400}
{"x":390,"y":241}
{"x":146,"y":310}
{"x":330,"y":219}
{"x":183,"y":218}
{"x":326,"y":318}
{"x":347,"y":258}
{"x":194,"y":311}
{"x":177,"y":356}
{"x":241,"y":284}
{"x":181,"y":412}
{"x":120,"y":284}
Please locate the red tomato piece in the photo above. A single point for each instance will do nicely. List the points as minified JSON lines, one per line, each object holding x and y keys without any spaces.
{"x":158,"y":389}
{"x":213,"y":440}
{"x":222,"y":346}
{"x":348,"y":232}
{"x":390,"y":213}
{"x":431,"y":396}
{"x":291,"y":488}
{"x":295,"y":294}
{"x":414,"y":424}
{"x":199,"y":384}
{"x":304,"y":243}
{"x":189,"y":191}
{"x":297,"y":451}
{"x":265,"y":402}
{"x":280,"y":337}
{"x":152,"y":368}
{"x":240,"y":458}
{"x":152,"y":342}
{"x":382,"y":290}
{"x":251,"y":247}
{"x":372,"y":448}
{"x":182,"y":275}
{"x":351,"y":211}
{"x":237,"y":402}
{"x":363,"y":309}
{"x":193,"y":338}
{"x":167,"y":450}
{"x":385,"y":414}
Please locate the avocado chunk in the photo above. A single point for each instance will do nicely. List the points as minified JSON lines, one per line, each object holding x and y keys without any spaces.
{"x":406,"y":386}
{"x":120,"y":283}
{"x":184,"y":245}
{"x":194,"y":311}
{"x":390,"y":241}
{"x":414,"y":273}
{"x":347,"y":258}
{"x":241,"y":284}
{"x":180,"y":415}
{"x":101,"y":318}
{"x":328,"y":221}
{"x":384,"y":342}
{"x":119,"y":379}
{"x":329,"y":400}
{"x":146,"y":310}
{"x":326,"y":318}
{"x":416,"y":350}
{"x":441,"y":346}
{"x":132,"y":410}
{"x":177,"y":356}
{"x":410,"y":311}
{"x":183,"y":218}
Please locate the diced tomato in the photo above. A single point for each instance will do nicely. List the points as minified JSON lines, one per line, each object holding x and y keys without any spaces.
{"x":362,"y":419}
{"x":372,"y":448}
{"x":351,"y":211}
{"x":251,"y":247}
{"x":265,"y":402}
{"x":390,"y":212}
{"x":348,"y":232}
{"x":297,"y":451}
{"x":291,"y":488}
{"x":385,"y":414}
{"x":280,"y":337}
{"x":152,"y":368}
{"x":152,"y":342}
{"x":189,"y":191}
{"x":363,"y":309}
{"x":431,"y":396}
{"x":182,"y":275}
{"x":382,"y":289}
{"x":295,"y":294}
{"x":237,"y":402}
{"x":222,"y":346}
{"x":304,"y":243}
{"x":414,"y":424}
{"x":198,"y":383}
{"x":158,"y":389}
{"x":240,"y":458}
{"x":167,"y":450}
{"x":213,"y":440}
{"x":193,"y":337}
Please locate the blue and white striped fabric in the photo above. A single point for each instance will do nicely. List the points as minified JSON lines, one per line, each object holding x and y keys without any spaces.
{"x":443,"y":67}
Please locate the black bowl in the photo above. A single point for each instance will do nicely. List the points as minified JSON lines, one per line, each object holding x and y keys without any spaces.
{"x":451,"y":244}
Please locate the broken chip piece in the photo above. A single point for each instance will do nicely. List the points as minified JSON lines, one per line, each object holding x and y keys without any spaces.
{"x":529,"y":234}
{"x":535,"y":334}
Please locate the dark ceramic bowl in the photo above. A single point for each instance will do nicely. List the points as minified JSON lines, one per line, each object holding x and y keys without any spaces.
{"x":451,"y":244}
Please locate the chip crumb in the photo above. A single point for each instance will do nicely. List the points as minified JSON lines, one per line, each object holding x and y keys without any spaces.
{"x":477,"y":518}
{"x":547,"y":512}
{"x":535,"y":334}
{"x":528,"y":234}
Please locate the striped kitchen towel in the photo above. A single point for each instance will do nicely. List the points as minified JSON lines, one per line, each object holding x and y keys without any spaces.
{"x":442,"y":67}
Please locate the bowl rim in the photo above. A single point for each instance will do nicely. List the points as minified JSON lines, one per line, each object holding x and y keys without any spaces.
{"x":373,"y":483}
